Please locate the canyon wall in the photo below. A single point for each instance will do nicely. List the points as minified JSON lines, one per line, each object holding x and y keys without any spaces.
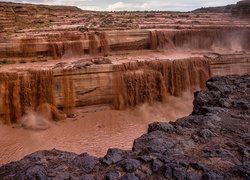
{"x":230,"y":64}
{"x":73,"y":43}
{"x":122,"y":86}
{"x":233,"y":38}
{"x":16,"y":16}
{"x":59,"y":44}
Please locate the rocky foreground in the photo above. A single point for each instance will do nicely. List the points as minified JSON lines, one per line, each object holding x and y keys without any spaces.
{"x":212,"y":143}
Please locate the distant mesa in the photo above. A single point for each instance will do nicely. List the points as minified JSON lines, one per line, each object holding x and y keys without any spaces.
{"x":242,"y":8}
{"x":218,"y":9}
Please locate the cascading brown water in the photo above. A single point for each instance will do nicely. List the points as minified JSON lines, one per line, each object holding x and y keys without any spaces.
{"x":147,"y":81}
{"x":21,"y":92}
{"x":133,"y":88}
{"x":105,"y":48}
{"x":72,"y":48}
{"x":228,"y":38}
{"x":26,"y":47}
{"x":153,"y":40}
{"x":42,"y":87}
{"x":93,"y":43}
{"x":64,"y":44}
{"x":68,"y":94}
{"x":11,"y":105}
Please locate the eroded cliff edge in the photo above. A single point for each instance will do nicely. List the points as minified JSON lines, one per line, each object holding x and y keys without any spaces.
{"x":211,"y":143}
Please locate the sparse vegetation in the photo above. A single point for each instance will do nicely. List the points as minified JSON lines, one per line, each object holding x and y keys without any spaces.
{"x":219,"y":9}
{"x":183,"y":15}
{"x":150,"y":16}
{"x":22,"y":61}
{"x":38,"y":60}
{"x":7,"y":61}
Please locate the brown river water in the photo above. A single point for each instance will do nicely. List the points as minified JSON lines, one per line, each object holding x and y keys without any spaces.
{"x":93,"y":130}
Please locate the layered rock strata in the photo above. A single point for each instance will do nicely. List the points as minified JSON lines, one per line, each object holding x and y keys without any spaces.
{"x":71,"y":44}
{"x":16,"y":16}
{"x":225,"y":64}
{"x":211,"y":143}
{"x":122,"y":85}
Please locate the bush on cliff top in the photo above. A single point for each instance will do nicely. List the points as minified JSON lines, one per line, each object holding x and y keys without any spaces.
{"x":7,"y":61}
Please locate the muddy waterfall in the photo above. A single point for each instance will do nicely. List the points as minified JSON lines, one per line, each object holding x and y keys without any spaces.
{"x":23,"y":92}
{"x":149,"y":81}
{"x":133,"y":83}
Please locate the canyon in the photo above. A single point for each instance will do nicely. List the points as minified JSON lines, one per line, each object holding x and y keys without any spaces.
{"x":79,"y":64}
{"x":60,"y":64}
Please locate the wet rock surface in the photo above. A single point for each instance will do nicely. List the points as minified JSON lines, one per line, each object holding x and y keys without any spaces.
{"x":211,"y":143}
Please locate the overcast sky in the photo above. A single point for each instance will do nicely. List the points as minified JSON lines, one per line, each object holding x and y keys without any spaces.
{"x":117,"y":5}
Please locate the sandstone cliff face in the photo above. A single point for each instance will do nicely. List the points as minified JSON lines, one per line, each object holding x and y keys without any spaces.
{"x":242,"y":8}
{"x":230,"y":64}
{"x":72,"y":32}
{"x":73,"y":43}
{"x":55,"y":44}
{"x":121,"y":86}
{"x":91,"y":85}
{"x":87,"y":84}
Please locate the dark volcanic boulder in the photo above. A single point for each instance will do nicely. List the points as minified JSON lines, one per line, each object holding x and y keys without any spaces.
{"x":154,"y":142}
{"x":212,"y":143}
{"x":85,"y":162}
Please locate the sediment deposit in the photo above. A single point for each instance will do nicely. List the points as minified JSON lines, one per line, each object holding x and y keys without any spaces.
{"x":211,"y":143}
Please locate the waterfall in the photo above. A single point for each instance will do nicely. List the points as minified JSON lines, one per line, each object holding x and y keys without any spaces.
{"x":147,"y":81}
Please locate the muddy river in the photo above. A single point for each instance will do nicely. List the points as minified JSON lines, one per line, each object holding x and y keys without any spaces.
{"x":93,"y":130}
